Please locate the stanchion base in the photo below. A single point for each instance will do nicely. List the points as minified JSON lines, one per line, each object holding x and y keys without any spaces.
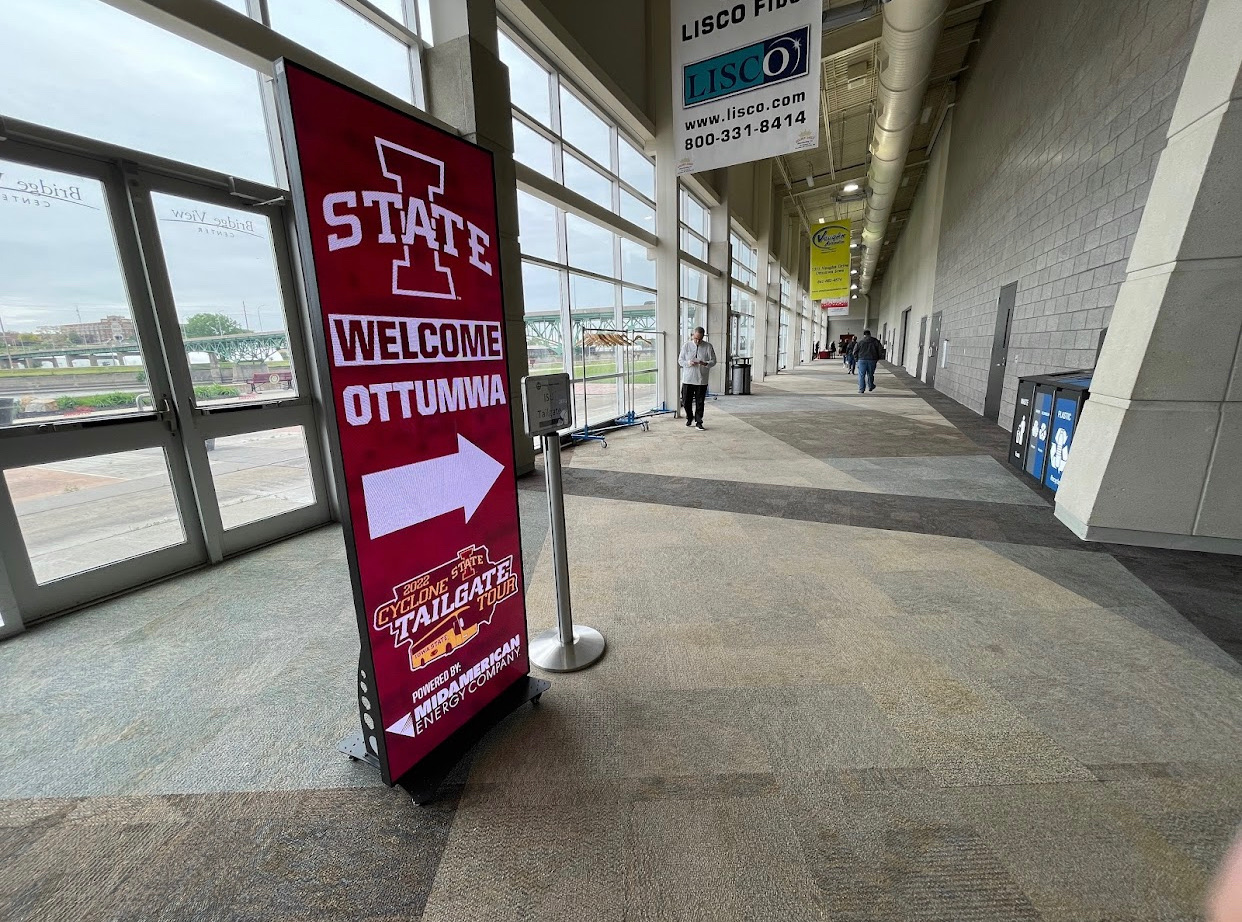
{"x":548,"y":653}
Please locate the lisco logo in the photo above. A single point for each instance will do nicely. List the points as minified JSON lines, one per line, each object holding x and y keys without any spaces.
{"x":409,"y":216}
{"x":829,"y":236}
{"x":773,"y":60}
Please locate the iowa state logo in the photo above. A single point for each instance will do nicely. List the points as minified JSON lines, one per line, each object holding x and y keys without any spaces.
{"x":442,"y":610}
{"x":427,"y":238}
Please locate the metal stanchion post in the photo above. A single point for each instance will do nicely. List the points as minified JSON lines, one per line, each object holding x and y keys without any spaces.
{"x":548,"y":407}
{"x":568,"y":647}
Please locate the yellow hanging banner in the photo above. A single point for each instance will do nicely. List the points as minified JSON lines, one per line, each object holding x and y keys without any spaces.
{"x":830,"y":266}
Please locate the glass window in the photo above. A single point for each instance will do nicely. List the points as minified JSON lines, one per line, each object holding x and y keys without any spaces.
{"x":693,"y":245}
{"x":225,"y":285}
{"x":588,"y":295}
{"x":587,"y":181}
{"x":593,"y":305}
{"x":533,"y":149}
{"x":636,"y":267}
{"x":541,"y":289}
{"x":695,"y":215}
{"x":545,"y":343}
{"x":392,"y":8}
{"x":85,"y":513}
{"x":692,"y":315}
{"x":69,"y":345}
{"x":636,"y":169}
{"x":590,"y":246}
{"x":528,"y":82}
{"x":537,"y":223}
{"x":639,"y":212}
{"x":341,"y":35}
{"x":260,"y":474}
{"x":585,"y":130}
{"x":745,"y":262}
{"x":693,"y":283}
{"x":90,"y":69}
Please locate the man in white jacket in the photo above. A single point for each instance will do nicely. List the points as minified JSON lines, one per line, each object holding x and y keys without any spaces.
{"x":696,"y":359}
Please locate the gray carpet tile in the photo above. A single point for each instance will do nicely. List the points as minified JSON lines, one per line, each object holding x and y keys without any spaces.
{"x":819,"y":701}
{"x":986,"y":521}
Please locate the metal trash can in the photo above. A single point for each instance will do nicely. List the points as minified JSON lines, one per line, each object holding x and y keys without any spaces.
{"x":8,"y":410}
{"x":740,"y":376}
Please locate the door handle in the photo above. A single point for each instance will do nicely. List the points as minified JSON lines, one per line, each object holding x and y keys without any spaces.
{"x":167,"y":413}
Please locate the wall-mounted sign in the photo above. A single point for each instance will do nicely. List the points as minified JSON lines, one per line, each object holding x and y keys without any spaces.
{"x":830,"y":267}
{"x":745,"y":80}
{"x":398,"y":227}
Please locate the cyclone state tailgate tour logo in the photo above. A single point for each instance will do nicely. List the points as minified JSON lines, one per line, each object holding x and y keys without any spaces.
{"x":444,"y":609}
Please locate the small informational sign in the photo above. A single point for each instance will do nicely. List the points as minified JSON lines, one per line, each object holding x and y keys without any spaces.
{"x":1059,"y":440}
{"x":830,"y":266}
{"x":547,"y":403}
{"x":398,"y":227}
{"x":745,"y":80}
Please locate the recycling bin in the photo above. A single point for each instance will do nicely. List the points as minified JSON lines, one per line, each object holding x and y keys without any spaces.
{"x":740,"y":376}
{"x":1045,"y":416}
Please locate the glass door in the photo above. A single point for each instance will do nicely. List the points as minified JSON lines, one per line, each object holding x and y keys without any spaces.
{"x":224,"y":288}
{"x":95,"y":494}
{"x":154,"y":407}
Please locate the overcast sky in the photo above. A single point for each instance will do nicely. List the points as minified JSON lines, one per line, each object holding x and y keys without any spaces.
{"x":85,"y":67}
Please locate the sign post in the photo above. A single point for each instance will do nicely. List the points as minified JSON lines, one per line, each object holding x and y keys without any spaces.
{"x":547,"y":408}
{"x":398,"y":233}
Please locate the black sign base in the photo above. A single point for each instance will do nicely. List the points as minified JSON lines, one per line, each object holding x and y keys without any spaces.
{"x":423,"y":781}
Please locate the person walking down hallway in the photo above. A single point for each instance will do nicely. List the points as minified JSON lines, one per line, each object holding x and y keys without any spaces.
{"x":696,"y":360}
{"x":850,"y":355}
{"x":867,"y":353}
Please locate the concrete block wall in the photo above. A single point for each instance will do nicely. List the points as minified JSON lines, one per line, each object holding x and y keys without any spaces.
{"x":1056,"y":135}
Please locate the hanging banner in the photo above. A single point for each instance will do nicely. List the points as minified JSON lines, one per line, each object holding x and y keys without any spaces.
{"x":745,"y":80}
{"x":398,"y":228}
{"x":830,"y":267}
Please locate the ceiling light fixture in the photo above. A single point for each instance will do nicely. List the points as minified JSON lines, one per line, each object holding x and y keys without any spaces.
{"x":850,"y":187}
{"x":853,"y":272}
{"x":853,"y":287}
{"x":810,"y":181}
{"x":854,"y":246}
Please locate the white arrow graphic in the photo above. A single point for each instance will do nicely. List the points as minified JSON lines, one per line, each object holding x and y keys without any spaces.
{"x":404,"y":726}
{"x":403,"y":496}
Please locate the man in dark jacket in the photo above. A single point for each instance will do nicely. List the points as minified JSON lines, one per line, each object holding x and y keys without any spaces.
{"x":867,"y":352}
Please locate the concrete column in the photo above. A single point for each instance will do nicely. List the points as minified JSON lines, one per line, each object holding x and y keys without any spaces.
{"x":718,"y":288}
{"x":789,"y":240}
{"x":468,"y":87}
{"x":765,"y":353}
{"x":668,"y":260}
{"x":1157,"y":457}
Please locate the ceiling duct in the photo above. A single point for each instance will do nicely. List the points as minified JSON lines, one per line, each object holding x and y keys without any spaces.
{"x":841,"y":16}
{"x":907,"y":47}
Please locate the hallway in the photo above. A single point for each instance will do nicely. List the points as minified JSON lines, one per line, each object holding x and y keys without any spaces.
{"x":856,"y":671}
